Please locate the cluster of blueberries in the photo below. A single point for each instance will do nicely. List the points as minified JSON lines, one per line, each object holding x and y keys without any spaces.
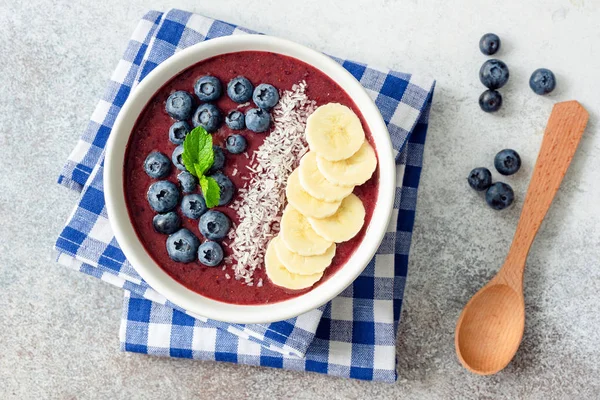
{"x":494,"y":74}
{"x":164,"y":196}
{"x":498,"y":195}
{"x":208,"y":89}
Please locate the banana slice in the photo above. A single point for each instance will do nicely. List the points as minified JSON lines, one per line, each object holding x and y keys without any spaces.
{"x":299,"y":236}
{"x":315,"y":184}
{"x":305,"y":203}
{"x":344,"y":224}
{"x":302,"y":265}
{"x":355,"y":170}
{"x":334,"y":131}
{"x":282,"y":277}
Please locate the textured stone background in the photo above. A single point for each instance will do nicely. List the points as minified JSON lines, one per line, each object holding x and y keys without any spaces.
{"x":59,"y":329}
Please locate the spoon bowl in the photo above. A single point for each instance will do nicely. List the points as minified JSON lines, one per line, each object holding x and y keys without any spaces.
{"x":494,"y":318}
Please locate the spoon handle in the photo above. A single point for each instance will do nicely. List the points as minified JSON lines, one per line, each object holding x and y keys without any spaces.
{"x":563,"y":132}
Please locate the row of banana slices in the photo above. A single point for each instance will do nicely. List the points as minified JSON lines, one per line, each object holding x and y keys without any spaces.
{"x":321,"y":210}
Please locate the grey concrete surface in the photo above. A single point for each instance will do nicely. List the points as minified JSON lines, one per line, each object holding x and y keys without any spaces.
{"x":59,"y":329}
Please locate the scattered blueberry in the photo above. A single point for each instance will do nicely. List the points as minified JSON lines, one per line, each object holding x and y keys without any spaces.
{"x":179,"y":105}
{"x":178,"y":131}
{"x":235,"y":120}
{"x":489,"y":44}
{"x":239,"y":89}
{"x":490,"y":101}
{"x":208,"y":88}
{"x":166,"y":223}
{"x":157,"y":165}
{"x":493,"y":74}
{"x":176,"y":157}
{"x":207,"y":116}
{"x":193,"y":205}
{"x":480,"y":179}
{"x":258,"y":120}
{"x":219,"y":160}
{"x":163,"y":196}
{"x":265,"y":96}
{"x":236,"y":144}
{"x":182,"y":246}
{"x":507,"y":162}
{"x":542,"y":81}
{"x":188,"y":182}
{"x":214,"y":225}
{"x":210,"y":254}
{"x":226,"y":186}
{"x":499,"y":196}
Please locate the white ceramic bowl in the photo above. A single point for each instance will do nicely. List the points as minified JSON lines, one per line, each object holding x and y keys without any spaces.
{"x":160,"y":280}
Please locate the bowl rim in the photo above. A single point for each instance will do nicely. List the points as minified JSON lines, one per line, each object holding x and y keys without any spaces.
{"x":153,"y":274}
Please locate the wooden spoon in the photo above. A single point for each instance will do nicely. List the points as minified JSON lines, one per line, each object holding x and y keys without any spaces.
{"x":490,"y":327}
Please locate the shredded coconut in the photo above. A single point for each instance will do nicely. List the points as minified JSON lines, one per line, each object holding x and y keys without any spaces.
{"x":261,"y":201}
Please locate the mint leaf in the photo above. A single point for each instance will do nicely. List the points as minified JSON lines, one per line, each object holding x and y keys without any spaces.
{"x":206,"y":155}
{"x":190,"y":151}
{"x":197,"y":152}
{"x":211,"y":191}
{"x":204,"y":186}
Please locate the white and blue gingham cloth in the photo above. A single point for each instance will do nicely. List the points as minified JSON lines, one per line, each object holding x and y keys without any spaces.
{"x":352,"y":336}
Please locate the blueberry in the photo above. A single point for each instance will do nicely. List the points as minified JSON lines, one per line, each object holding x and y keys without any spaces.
{"x":493,"y":74}
{"x":193,"y":205}
{"x":178,"y":131}
{"x":235,"y":120}
{"x":239,"y":89}
{"x":542,"y":81}
{"x":163,"y":196}
{"x":490,"y":101}
{"x":179,"y":105}
{"x":182,"y":246}
{"x":219,"y":160}
{"x":210,"y":254}
{"x":226,"y":186}
{"x":265,"y":96}
{"x":166,"y":223}
{"x":507,"y":162}
{"x":176,"y":157}
{"x":236,"y":144}
{"x":258,"y":120}
{"x":207,"y":116}
{"x":480,"y":179}
{"x":188,"y":182}
{"x":499,"y":196}
{"x":157,"y":165}
{"x":489,"y":44}
{"x":214,"y":225}
{"x":208,"y":88}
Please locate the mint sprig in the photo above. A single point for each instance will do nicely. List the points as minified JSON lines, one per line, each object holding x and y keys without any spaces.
{"x":198,"y":156}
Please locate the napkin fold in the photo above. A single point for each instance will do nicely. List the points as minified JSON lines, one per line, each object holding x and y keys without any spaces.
{"x":353,"y":335}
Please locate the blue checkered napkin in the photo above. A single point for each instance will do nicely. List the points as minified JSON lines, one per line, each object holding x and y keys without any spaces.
{"x":352,"y":336}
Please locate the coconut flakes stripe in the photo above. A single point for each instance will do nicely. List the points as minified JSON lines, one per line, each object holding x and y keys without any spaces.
{"x":261,"y":201}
